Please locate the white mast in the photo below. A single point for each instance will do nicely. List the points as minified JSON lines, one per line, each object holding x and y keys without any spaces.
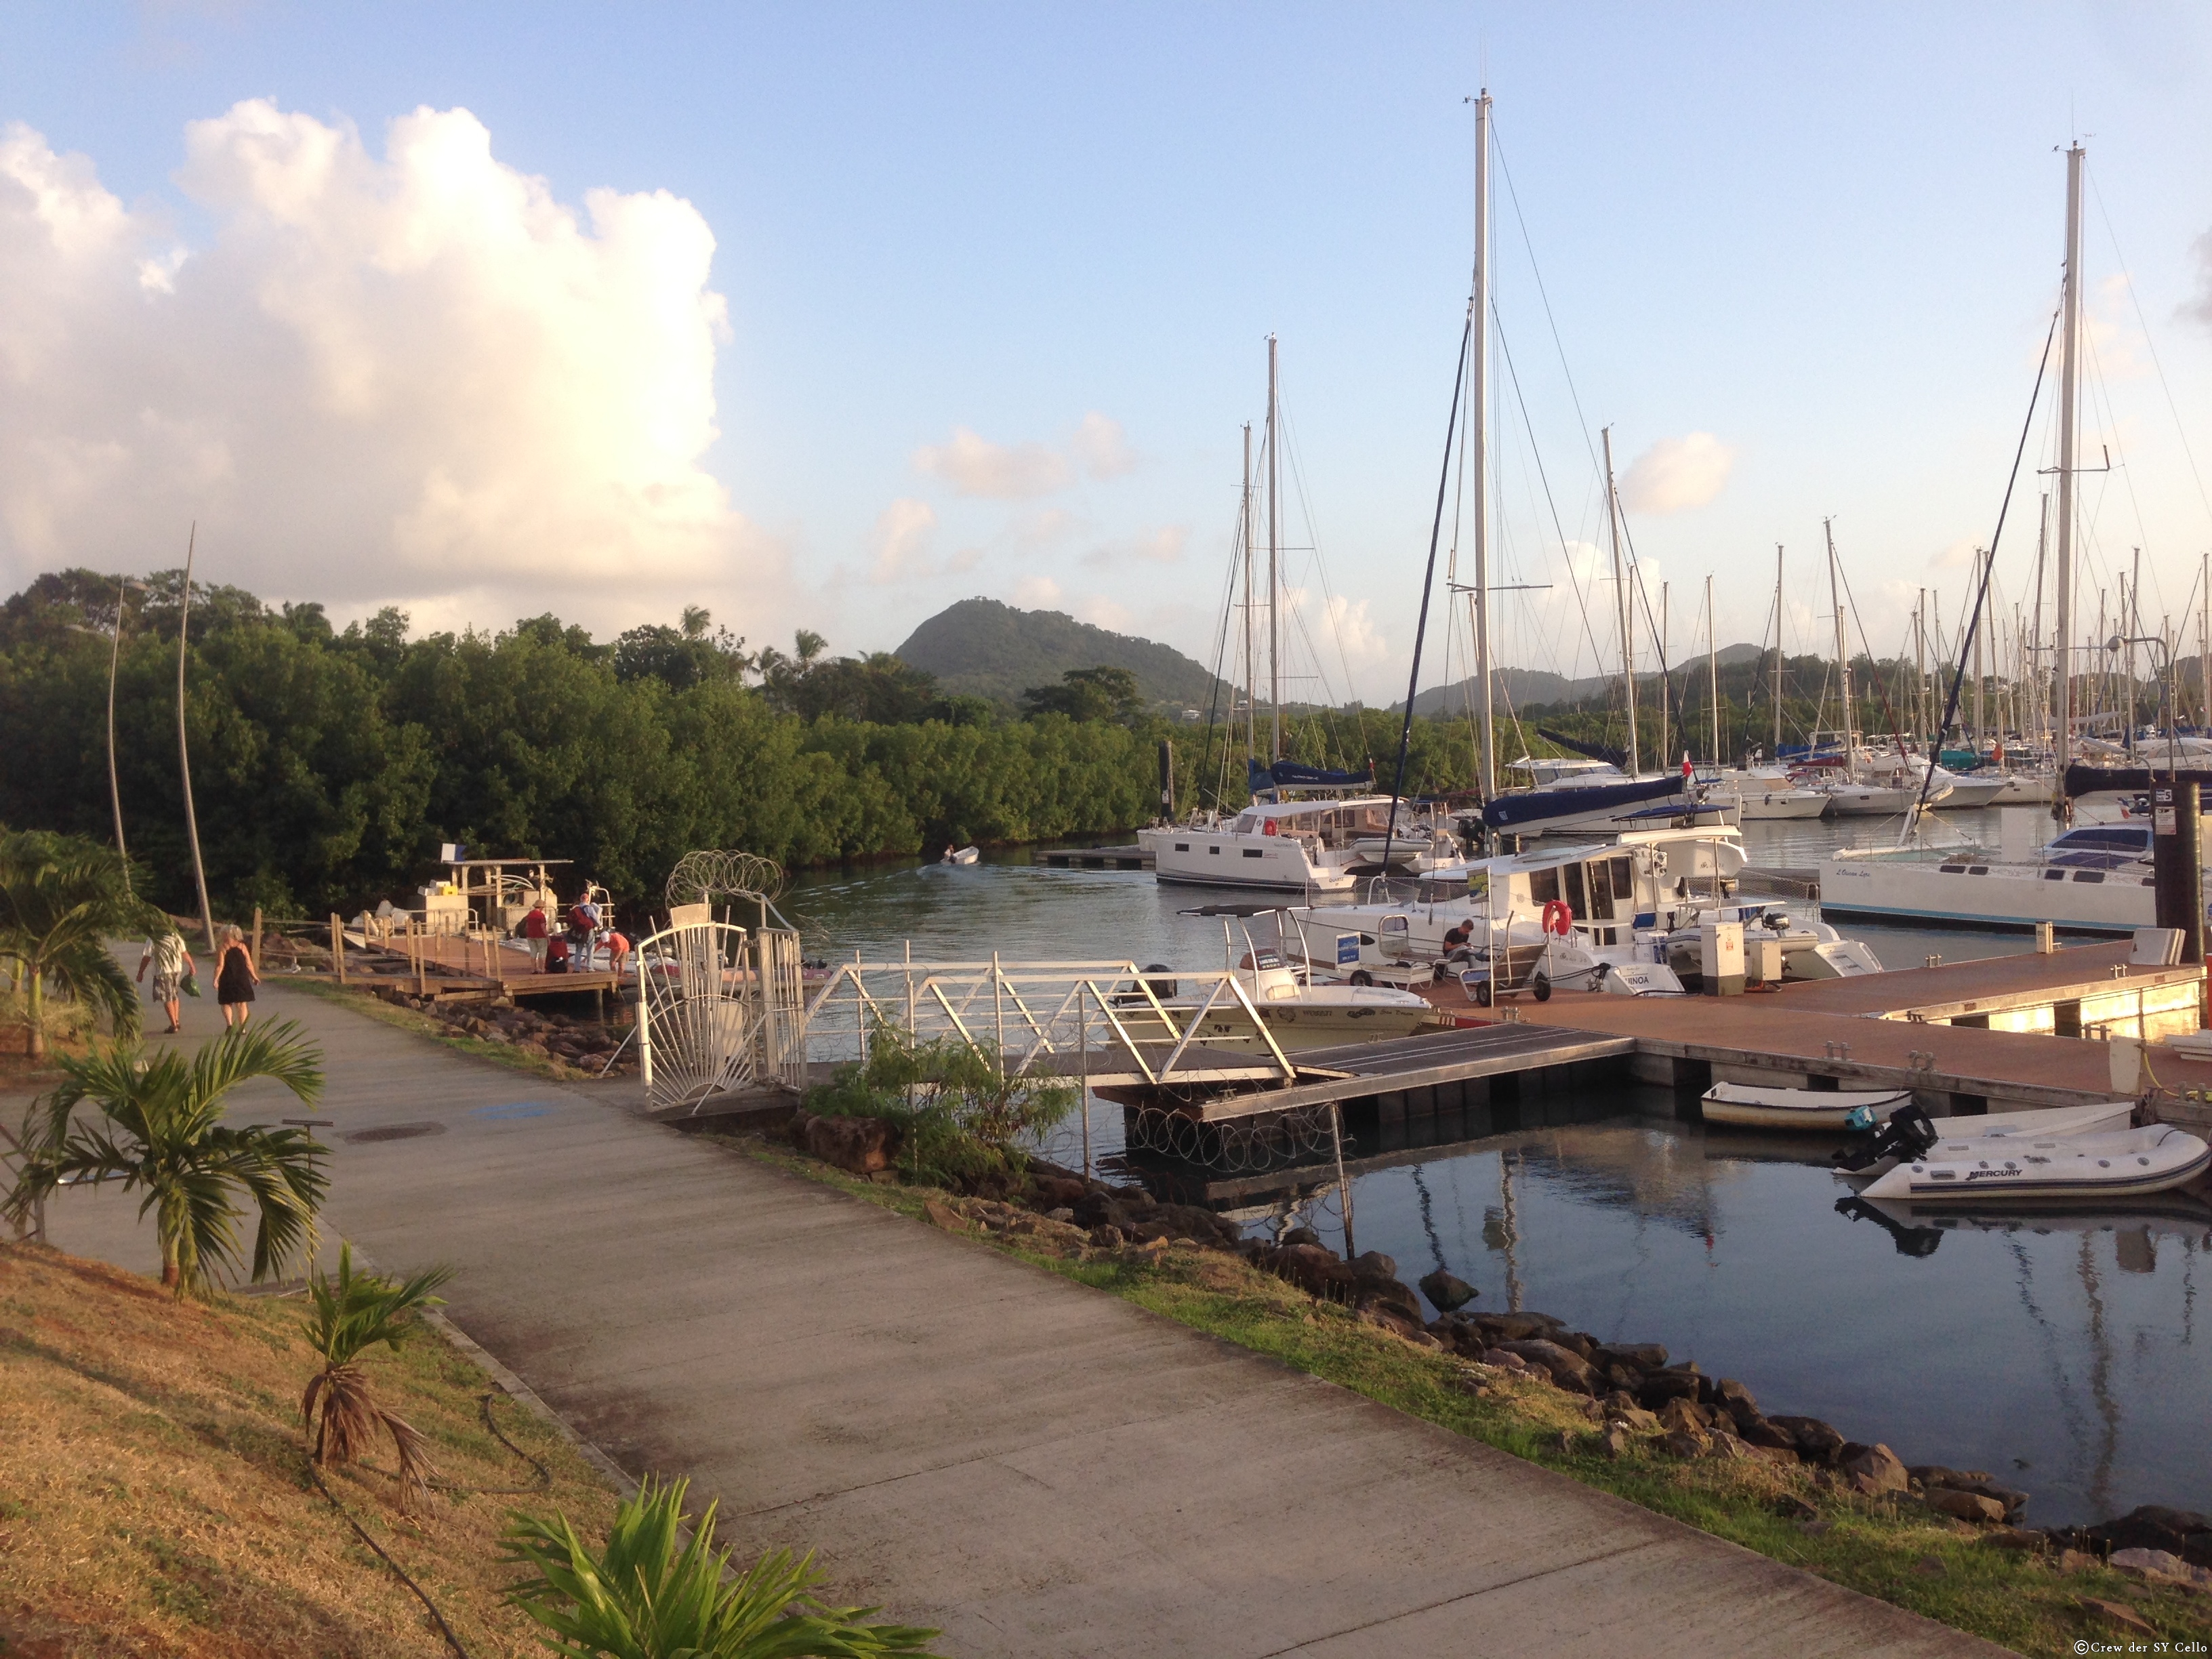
{"x":1479,"y":417}
{"x":1981,"y":618}
{"x":1251,"y":684}
{"x":1274,"y":560}
{"x":1842,"y":656}
{"x":2068,"y":398}
{"x":2035,"y":629}
{"x":1777,"y":756}
{"x":2204,"y":646}
{"x":1626,"y":607}
{"x":1666,"y":686}
{"x":1713,"y":669}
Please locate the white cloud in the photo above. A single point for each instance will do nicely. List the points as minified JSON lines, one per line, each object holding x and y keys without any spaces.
{"x":1161,"y":546}
{"x":1355,"y":631}
{"x":1036,"y":594}
{"x":1677,"y":474}
{"x":1005,"y":472}
{"x":965,"y":560}
{"x":901,"y":539}
{"x":412,"y":376}
{"x":1041,"y":530}
{"x":1099,"y":445}
{"x":1103,"y":613}
{"x":1957,"y":556}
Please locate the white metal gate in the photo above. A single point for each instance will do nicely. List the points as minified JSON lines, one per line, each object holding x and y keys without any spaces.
{"x":720,"y":1008}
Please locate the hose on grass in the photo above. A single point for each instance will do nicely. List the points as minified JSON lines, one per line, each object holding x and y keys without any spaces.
{"x":362,"y":1533}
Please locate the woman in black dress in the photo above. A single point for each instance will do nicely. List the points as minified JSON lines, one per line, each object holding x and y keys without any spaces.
{"x":235,"y":978}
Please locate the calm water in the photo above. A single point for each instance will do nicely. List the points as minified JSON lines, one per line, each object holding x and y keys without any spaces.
{"x":2058,"y":1353}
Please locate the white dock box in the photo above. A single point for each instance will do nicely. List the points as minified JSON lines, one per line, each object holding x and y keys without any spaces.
{"x":1762,"y":957}
{"x":1720,"y":946}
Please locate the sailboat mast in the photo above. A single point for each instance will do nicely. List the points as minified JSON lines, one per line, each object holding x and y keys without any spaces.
{"x":2069,"y":370}
{"x":1666,"y":685}
{"x":1626,"y":606}
{"x":1275,"y":563}
{"x":2035,"y":627}
{"x":2204,"y":646}
{"x":1981,"y":617}
{"x":1713,"y":668}
{"x":1778,"y":653}
{"x":1478,"y":414}
{"x":1842,"y":656}
{"x":1251,"y":685}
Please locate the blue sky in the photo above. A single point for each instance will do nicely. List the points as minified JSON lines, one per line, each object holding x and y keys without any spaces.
{"x":1830,"y":241}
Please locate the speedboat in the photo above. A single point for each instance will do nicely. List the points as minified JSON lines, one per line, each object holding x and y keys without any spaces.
{"x":2044,"y":1168}
{"x":961,"y":855}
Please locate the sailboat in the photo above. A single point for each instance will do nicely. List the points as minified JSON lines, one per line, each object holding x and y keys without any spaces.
{"x":1594,"y":793}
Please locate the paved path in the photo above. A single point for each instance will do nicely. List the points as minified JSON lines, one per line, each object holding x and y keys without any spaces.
{"x":974,"y":1442}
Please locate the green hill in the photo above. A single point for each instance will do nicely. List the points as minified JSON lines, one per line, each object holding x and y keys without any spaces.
{"x":980,"y":647}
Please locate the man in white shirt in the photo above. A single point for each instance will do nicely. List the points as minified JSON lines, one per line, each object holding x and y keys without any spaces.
{"x":172,"y":964}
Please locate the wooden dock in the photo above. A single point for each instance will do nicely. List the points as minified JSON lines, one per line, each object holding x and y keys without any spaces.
{"x":451,"y":968}
{"x":1093,"y":858}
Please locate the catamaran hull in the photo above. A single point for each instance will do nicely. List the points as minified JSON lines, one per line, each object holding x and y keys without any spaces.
{"x":1999,"y":895}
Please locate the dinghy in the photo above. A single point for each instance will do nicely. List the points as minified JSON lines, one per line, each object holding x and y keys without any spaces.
{"x":1757,"y":1107}
{"x":961,"y":855}
{"x":2046,"y":1167}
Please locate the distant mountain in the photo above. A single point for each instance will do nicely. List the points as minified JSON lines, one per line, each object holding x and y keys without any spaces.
{"x":980,"y":647}
{"x":1525,"y":687}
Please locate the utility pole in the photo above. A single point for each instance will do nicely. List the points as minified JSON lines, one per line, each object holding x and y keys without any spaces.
{"x":184,"y":755}
{"x":1713,"y":671}
{"x":114,"y":662}
{"x":1778,"y":653}
{"x":1479,"y":420}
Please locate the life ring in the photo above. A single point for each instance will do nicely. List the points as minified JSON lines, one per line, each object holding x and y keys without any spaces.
{"x":1557,"y":919}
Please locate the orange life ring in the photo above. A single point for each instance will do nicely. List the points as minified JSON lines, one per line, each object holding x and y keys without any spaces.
{"x":1557,"y":919}
{"x":1268,"y":828}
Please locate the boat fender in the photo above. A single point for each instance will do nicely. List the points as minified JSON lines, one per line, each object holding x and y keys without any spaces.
{"x":1557,"y":917}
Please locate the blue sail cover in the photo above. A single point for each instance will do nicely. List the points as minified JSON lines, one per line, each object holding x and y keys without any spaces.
{"x":1291,"y":774}
{"x":1597,"y":752}
{"x":1527,"y":806}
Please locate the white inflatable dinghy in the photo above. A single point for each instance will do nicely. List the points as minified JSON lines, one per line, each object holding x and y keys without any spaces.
{"x":2043,"y":1168}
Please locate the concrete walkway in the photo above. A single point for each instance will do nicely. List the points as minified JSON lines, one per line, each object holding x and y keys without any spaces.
{"x":973,"y":1442}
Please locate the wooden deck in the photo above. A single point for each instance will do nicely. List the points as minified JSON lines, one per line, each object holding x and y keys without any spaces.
{"x":444,"y":966}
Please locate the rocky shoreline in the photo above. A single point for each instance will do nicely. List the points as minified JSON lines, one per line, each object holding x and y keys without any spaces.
{"x":584,"y":1045}
{"x":1637,"y":1400}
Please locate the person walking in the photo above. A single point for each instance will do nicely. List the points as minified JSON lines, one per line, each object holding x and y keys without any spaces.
{"x":173,"y":965}
{"x":534,"y":930}
{"x":235,"y":978}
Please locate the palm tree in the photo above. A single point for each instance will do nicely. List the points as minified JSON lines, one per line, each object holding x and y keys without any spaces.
{"x":353,"y":1313}
{"x":163,"y":1132}
{"x":61,"y":898}
{"x":651,"y":1594}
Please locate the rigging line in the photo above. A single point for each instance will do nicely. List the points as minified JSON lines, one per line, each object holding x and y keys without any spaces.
{"x":1543,"y":294}
{"x":1966,"y":635}
{"x":2127,"y":473}
{"x":2151,"y":345}
{"x":1543,"y":477}
{"x":1320,"y":574}
{"x":1220,"y":652}
{"x":1428,"y":581}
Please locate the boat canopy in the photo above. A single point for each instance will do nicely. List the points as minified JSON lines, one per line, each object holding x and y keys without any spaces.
{"x":1292,"y":774}
{"x":1557,"y":802}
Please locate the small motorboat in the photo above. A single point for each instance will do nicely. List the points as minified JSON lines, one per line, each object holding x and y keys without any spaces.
{"x":960,"y":855}
{"x":2044,"y":1168}
{"x":1754,"y":1107}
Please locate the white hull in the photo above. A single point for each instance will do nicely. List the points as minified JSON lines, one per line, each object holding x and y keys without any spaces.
{"x":1969,"y":795}
{"x":1755,"y":805}
{"x":2024,"y":789}
{"x":1992,"y":893}
{"x":1752,"y":1106}
{"x":1858,"y":800}
{"x":2054,"y":1169}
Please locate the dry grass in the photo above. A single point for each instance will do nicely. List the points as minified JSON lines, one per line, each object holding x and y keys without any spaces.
{"x":156,"y":1499}
{"x":1897,"y":1552}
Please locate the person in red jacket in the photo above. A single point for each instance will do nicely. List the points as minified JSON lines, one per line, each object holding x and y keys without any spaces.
{"x":534,"y":930}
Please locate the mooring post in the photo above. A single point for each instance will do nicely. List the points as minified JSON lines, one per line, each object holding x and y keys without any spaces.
{"x":2177,"y":870}
{"x":256,"y":937}
{"x":644,"y":1042}
{"x":337,"y":946}
{"x":1343,"y":1187}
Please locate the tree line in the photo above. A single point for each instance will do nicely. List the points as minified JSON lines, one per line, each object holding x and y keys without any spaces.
{"x":328,"y":765}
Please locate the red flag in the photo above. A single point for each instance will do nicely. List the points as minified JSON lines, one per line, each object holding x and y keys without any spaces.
{"x":1688,"y":770}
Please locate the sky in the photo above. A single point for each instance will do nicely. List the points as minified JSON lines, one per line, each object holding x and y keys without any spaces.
{"x":827,"y":316}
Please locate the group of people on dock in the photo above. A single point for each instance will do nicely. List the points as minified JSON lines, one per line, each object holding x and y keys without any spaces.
{"x":569,"y":947}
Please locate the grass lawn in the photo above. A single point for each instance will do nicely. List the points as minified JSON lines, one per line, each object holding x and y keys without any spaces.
{"x":156,"y":1497}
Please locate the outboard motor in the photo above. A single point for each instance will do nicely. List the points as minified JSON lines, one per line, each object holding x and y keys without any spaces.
{"x":1910,"y":1133}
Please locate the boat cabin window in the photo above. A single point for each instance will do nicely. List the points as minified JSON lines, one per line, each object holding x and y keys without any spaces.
{"x":1544,"y":885}
{"x":1578,"y":893}
{"x":1444,"y":890}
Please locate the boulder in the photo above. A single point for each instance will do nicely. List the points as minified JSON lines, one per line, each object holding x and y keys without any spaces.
{"x":1816,"y":1442}
{"x":1758,"y":1431}
{"x":1636,"y":1356}
{"x":1389,"y":1295}
{"x":1057,"y":1192}
{"x":2025,"y":1540}
{"x":2154,"y":1527}
{"x":1727,"y":1445}
{"x":1373,"y":1264}
{"x":859,"y":1144}
{"x":1314,"y":1271}
{"x":939,"y":1215}
{"x":1615,"y":1440}
{"x":1732,"y":1397}
{"x":1107,"y":1237}
{"x":1574,"y":1342}
{"x":1300,"y":1236}
{"x":1632,"y":1417}
{"x":1683,"y":1443}
{"x":2117,"y":1615}
{"x":1517,"y":1327}
{"x":1511,"y":1362}
{"x":2163,"y":1567}
{"x":1569,"y":1371}
{"x":1965,"y":1506}
{"x":1661,"y":1385}
{"x":1680,"y":1413}
{"x":1446,"y":1291}
{"x":1873,"y":1470}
